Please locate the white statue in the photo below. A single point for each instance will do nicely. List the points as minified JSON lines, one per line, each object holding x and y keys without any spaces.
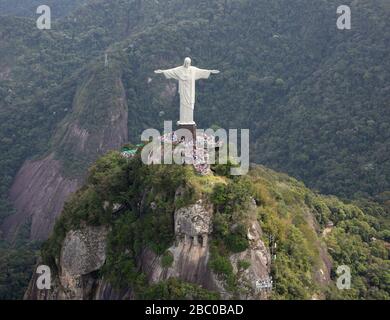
{"x":187,"y":75}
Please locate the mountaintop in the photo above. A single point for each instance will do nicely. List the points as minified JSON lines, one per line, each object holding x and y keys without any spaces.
{"x":135,"y":231}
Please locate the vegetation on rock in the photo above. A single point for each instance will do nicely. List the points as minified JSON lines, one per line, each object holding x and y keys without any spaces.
{"x":307,"y":227}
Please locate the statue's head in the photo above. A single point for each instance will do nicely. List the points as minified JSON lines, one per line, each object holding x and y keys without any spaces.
{"x":187,"y":62}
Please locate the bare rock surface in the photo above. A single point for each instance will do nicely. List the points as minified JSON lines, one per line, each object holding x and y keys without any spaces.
{"x":38,"y":194}
{"x":194,"y":219}
{"x":84,"y":250}
{"x":83,"y":254}
{"x":259,"y":260}
{"x":40,"y":188}
{"x":191,"y":259}
{"x":190,"y":264}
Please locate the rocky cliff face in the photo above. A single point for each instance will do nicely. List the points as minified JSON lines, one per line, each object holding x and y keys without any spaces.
{"x":190,"y":252}
{"x":83,"y":252}
{"x":38,"y":193}
{"x":97,"y":124}
{"x":134,"y":230}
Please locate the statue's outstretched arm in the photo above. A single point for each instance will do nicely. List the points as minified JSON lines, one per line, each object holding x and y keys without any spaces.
{"x":204,"y":73}
{"x":166,"y":70}
{"x":169,"y":73}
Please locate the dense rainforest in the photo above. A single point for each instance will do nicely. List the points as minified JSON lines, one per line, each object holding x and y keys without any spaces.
{"x":315,"y":98}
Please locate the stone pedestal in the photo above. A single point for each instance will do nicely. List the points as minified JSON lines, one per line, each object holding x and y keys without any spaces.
{"x":191,"y":128}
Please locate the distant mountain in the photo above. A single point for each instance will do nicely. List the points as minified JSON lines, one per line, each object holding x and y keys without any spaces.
{"x":42,"y":185}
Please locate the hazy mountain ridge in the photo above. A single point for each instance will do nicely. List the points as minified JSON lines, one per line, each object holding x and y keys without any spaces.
{"x":43,"y":185}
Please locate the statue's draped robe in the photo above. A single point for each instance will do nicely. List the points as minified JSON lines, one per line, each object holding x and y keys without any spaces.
{"x":187,"y":78}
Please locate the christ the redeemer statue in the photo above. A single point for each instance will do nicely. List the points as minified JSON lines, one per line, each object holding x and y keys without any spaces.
{"x":187,"y":75}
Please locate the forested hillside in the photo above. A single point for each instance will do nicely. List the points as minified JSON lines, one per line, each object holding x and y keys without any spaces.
{"x":314,"y":234}
{"x":28,"y":8}
{"x":314,"y":97}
